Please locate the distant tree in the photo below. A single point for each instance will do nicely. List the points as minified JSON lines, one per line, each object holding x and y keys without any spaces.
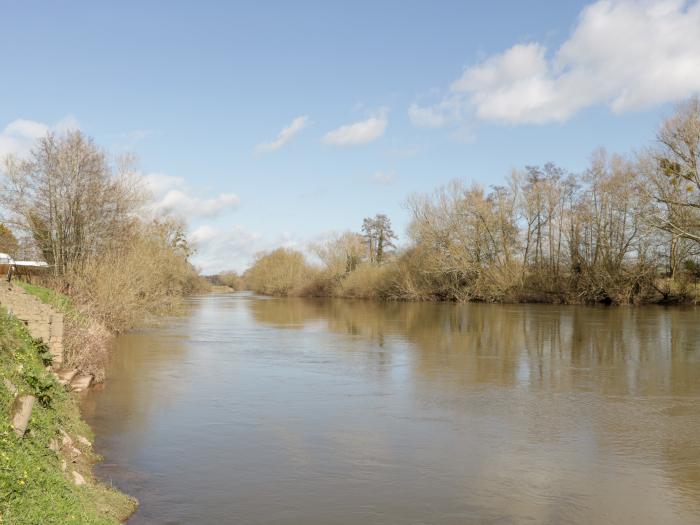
{"x":379,"y":236}
{"x":8,"y":242}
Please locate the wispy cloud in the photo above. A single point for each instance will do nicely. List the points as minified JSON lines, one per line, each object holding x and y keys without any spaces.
{"x":359,"y":132}
{"x":405,"y":152}
{"x":427,"y":116}
{"x":160,"y":183}
{"x":130,"y":139}
{"x":284,"y":136}
{"x":384,"y":177}
{"x":623,"y":54}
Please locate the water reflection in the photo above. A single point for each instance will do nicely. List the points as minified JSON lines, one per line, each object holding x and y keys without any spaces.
{"x":255,"y":410}
{"x":638,"y":351}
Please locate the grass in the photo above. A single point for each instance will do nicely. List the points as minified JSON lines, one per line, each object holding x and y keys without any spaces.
{"x":34,"y":489}
{"x":57,"y":300}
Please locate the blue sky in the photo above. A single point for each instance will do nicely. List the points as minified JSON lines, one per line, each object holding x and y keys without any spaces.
{"x":380,"y":99}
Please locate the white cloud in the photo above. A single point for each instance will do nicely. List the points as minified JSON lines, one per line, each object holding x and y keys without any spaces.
{"x":19,"y":136}
{"x":233,"y":249}
{"x":203,"y":234}
{"x":384,"y":177}
{"x":359,"y":132}
{"x":26,"y":128}
{"x":172,"y":196}
{"x":284,"y":136}
{"x":160,"y":183}
{"x":180,"y":203}
{"x":623,"y":54}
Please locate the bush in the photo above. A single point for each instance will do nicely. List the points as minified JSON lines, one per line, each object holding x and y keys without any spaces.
{"x":368,"y":281}
{"x":145,"y":275}
{"x":281,"y":272}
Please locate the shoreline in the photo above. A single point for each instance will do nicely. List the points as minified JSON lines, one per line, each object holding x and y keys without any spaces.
{"x":663,"y":303}
{"x":49,"y":446}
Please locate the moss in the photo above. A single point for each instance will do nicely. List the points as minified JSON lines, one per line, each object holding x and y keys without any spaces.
{"x":34,"y":489}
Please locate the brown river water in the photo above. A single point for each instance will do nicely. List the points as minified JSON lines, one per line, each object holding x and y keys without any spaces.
{"x":252,"y":410}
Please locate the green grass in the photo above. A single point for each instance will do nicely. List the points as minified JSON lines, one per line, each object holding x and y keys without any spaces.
{"x":59,"y":301}
{"x":33,"y":487}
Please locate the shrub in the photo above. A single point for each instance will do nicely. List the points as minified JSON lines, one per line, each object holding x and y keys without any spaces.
{"x":280,"y":272}
{"x":145,"y":275}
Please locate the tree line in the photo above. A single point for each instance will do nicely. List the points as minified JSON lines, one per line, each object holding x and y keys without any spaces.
{"x":626,"y":230}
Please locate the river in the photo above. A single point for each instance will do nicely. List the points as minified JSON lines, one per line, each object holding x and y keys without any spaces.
{"x":253,"y":410}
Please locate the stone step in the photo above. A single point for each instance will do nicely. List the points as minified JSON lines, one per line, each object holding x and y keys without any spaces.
{"x":66,"y":376}
{"x":41,"y":320}
{"x":81,"y":382}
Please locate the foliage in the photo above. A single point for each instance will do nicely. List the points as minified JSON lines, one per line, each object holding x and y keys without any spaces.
{"x":33,"y":487}
{"x":379,"y":236}
{"x":8,"y":241}
{"x":229,"y":279}
{"x":280,"y":272}
{"x":145,"y":276}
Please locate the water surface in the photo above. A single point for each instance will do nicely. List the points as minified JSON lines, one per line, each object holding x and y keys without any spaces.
{"x":251,"y":410}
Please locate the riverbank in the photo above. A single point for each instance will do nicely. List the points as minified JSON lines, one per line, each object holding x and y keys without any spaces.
{"x":45,"y":468}
{"x":404,"y":277}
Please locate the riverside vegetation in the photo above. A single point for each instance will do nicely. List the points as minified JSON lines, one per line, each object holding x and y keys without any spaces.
{"x":626,"y":231}
{"x":112,"y":264}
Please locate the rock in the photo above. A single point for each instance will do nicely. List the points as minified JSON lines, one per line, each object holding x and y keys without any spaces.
{"x":54,"y":446}
{"x":21,"y":412}
{"x":66,"y":440}
{"x":66,"y":376}
{"x":78,"y":479}
{"x":84,"y":441}
{"x":10,"y":387}
{"x":81,"y":382}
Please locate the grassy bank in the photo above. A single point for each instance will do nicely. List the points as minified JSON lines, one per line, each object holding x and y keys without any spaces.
{"x":37,"y":471}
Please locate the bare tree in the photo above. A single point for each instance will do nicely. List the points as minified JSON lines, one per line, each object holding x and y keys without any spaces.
{"x":341,"y":254}
{"x":67,"y":199}
{"x":673,"y":169}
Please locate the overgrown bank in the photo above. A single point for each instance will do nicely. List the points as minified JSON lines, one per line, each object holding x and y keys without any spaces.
{"x":45,"y":474}
{"x":112,"y":262}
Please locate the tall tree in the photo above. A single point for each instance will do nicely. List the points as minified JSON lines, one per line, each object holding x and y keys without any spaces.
{"x":68,"y":199}
{"x":674,"y":171}
{"x":379,"y":235}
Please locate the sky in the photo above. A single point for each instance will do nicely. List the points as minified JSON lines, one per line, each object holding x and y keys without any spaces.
{"x":267,"y":124}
